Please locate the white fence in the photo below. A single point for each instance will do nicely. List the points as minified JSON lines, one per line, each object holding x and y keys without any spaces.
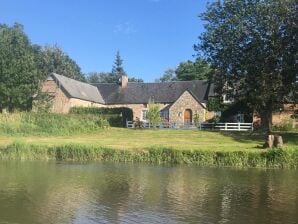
{"x":227,"y":126}
{"x":201,"y":126}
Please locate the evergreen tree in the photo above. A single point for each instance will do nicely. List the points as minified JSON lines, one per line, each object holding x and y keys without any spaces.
{"x":118,"y":70}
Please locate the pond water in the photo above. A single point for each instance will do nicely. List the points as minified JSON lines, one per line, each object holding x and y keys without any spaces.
{"x":41,"y":192}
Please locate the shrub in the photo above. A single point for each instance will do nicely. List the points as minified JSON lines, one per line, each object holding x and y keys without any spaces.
{"x":153,"y":113}
{"x":116,"y":117}
{"x":49,"y":124}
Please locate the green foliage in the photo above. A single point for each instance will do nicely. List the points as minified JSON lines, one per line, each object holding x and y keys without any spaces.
{"x":215,"y":119}
{"x":198,"y":70}
{"x":101,"y":77}
{"x":117,"y":70}
{"x":49,"y":124}
{"x":111,"y":77}
{"x":42,"y":102}
{"x":19,"y":76}
{"x":272,"y":158}
{"x":116,"y":117}
{"x":251,"y":45}
{"x":197,"y":119}
{"x":168,"y":76}
{"x":24,"y":66}
{"x":214,"y":104}
{"x":133,"y":79}
{"x":153,"y":113}
{"x":53,"y":59}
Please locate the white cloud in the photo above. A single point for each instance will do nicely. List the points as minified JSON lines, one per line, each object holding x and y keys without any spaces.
{"x":125,"y":28}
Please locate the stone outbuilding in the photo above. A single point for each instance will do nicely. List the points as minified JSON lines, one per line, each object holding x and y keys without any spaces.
{"x":179,"y":101}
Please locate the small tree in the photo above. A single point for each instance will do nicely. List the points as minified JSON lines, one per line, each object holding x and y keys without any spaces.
{"x":197,"y":119}
{"x":153,"y":114}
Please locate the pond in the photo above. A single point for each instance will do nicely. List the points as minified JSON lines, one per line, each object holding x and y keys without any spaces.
{"x":54,"y":192}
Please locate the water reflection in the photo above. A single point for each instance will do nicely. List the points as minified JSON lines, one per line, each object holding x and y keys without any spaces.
{"x":38,"y":192}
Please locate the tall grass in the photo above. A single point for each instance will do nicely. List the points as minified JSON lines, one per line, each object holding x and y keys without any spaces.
{"x":273,"y":158}
{"x":29,"y":123}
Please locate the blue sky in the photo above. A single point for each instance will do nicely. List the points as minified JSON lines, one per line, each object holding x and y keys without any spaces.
{"x":151,"y":35}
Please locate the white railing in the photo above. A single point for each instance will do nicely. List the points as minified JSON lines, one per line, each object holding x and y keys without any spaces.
{"x":227,"y":126}
{"x":201,"y":126}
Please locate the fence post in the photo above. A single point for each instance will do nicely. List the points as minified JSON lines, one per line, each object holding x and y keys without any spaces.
{"x":226,"y":126}
{"x":238,"y":126}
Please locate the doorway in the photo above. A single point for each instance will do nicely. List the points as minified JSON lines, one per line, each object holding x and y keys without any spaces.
{"x":187,"y":116}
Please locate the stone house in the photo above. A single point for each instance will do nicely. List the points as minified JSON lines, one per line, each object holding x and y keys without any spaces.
{"x":179,"y":101}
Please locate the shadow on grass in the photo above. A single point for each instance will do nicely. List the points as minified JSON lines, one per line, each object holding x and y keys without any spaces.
{"x":289,"y":138}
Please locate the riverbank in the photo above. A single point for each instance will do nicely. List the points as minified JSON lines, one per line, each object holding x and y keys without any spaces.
{"x":155,"y":146}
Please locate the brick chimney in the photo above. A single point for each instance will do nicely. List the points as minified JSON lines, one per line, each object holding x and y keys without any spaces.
{"x":124,"y":81}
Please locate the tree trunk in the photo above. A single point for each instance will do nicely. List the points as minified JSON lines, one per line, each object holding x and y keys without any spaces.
{"x":269,"y":142}
{"x":266,"y":121}
{"x":278,"y":142}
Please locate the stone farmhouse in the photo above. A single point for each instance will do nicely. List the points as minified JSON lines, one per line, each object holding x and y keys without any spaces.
{"x":179,"y":101}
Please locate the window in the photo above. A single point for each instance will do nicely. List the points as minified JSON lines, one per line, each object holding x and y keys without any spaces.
{"x":144,"y":115}
{"x":240,"y":118}
{"x":227,"y":98}
{"x":164,"y":114}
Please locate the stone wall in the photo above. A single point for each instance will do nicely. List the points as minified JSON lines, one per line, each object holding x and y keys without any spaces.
{"x":285,"y":114}
{"x":136,"y":108}
{"x":186,"y":101}
{"x":83,"y":103}
{"x":61,"y":102}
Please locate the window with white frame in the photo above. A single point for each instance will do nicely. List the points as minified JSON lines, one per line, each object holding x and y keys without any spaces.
{"x":227,"y":98}
{"x":144,"y":115}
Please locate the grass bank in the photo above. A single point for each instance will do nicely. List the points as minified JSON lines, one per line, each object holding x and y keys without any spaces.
{"x":273,"y":158}
{"x":36,"y":136}
{"x":29,"y":123}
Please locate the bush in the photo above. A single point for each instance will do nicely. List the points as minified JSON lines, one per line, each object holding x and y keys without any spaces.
{"x":116,"y":117}
{"x":49,"y":124}
{"x":153,"y":113}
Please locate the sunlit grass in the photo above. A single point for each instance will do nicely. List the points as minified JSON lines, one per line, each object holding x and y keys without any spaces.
{"x":129,"y":139}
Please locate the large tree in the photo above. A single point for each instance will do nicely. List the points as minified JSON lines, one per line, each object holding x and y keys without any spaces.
{"x":253,"y":44}
{"x":101,"y":77}
{"x":19,"y":76}
{"x":168,"y":76}
{"x":118,"y":70}
{"x":197,"y":70}
{"x":53,"y":59}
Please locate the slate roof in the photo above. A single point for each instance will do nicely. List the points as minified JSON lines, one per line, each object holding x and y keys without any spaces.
{"x":77,"y":89}
{"x":134,"y":93}
{"x":167,"y":92}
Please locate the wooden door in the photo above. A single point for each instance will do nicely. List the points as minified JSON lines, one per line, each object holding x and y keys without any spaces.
{"x":187,"y":116}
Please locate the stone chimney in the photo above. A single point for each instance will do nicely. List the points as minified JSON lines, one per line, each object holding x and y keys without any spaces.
{"x":124,"y":81}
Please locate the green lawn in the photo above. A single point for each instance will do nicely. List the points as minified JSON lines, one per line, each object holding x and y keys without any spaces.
{"x":130,"y":139}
